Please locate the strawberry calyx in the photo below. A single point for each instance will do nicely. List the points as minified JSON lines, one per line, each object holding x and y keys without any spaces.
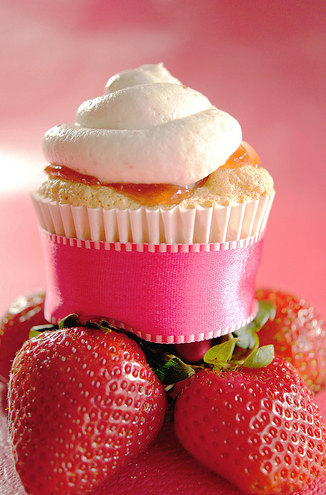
{"x":230,"y":352}
{"x":70,"y":321}
{"x":223,"y":357}
{"x":247,"y":335}
{"x":174,"y":370}
{"x":37,"y":329}
{"x":73,"y":320}
{"x":237,"y":349}
{"x":241,"y":348}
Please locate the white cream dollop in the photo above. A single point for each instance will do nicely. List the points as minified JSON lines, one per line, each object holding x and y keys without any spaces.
{"x":148,"y":128}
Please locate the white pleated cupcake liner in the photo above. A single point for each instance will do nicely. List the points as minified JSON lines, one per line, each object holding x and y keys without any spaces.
{"x":155,"y":226}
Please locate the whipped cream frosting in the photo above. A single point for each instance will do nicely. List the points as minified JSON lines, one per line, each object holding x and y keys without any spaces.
{"x":148,"y":128}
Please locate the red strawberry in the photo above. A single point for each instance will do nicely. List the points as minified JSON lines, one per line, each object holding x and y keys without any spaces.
{"x":259,"y":428}
{"x":82,"y":403}
{"x":298,"y":334}
{"x":24,"y":313}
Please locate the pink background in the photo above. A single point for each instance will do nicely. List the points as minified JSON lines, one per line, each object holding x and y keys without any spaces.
{"x":262,"y":61}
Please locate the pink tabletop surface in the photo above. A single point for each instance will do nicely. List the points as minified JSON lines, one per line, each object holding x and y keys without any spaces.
{"x":165,"y":468}
{"x":263,"y":62}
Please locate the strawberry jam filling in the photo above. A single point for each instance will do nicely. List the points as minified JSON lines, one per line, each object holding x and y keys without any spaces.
{"x":244,"y":155}
{"x":155,"y":194}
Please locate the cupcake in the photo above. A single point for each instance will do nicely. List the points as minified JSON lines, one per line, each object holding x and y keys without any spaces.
{"x":153,"y":213}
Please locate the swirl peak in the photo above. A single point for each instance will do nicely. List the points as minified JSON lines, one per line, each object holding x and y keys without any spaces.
{"x":147,"y":128}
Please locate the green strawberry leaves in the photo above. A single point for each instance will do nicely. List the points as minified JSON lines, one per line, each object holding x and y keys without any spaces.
{"x":247,"y":335}
{"x":223,"y":356}
{"x":168,"y":368}
{"x":38,"y":329}
{"x":69,"y":321}
{"x":241,"y":349}
{"x":259,"y":358}
{"x":72,"y":320}
{"x":238,"y":349}
{"x":266,"y":311}
{"x":173,"y":371}
{"x":219,"y":355}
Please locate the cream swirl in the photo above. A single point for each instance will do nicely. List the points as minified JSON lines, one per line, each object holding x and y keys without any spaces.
{"x":148,"y":128}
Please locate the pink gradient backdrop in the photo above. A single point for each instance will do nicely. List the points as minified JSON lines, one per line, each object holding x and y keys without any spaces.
{"x":262,"y":61}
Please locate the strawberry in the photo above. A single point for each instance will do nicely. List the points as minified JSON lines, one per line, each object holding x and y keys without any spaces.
{"x":259,"y":428}
{"x":24,"y":313}
{"x":82,"y":403}
{"x":298,"y":334}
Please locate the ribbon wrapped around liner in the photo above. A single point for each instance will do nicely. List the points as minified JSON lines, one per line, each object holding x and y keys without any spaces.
{"x":163,"y":293}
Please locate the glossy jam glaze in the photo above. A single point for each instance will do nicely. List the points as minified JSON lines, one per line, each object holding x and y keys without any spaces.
{"x":156,"y":194}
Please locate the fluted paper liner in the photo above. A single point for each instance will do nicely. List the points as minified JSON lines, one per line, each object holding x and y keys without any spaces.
{"x":212,"y":252}
{"x":154,"y":226}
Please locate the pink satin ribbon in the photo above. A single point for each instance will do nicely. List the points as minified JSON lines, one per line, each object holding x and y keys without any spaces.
{"x":163,"y":293}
